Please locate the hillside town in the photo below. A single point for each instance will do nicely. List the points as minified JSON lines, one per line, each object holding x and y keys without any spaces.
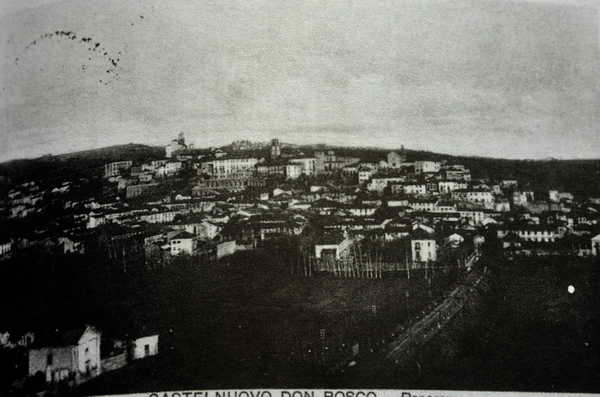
{"x":347,"y":217}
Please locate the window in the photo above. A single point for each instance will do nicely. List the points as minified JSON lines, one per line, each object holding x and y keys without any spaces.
{"x":146,"y":350}
{"x":49,"y":359}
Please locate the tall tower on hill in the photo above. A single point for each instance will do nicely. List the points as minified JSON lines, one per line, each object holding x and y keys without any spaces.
{"x":275,"y":149}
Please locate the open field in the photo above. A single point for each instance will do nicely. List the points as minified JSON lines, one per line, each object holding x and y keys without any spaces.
{"x":250,"y":328}
{"x":529,"y":333}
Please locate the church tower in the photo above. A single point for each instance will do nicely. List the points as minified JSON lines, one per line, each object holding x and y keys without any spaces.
{"x":275,"y":149}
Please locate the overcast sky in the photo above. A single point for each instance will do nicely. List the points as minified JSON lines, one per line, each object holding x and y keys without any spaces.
{"x":494,"y":78}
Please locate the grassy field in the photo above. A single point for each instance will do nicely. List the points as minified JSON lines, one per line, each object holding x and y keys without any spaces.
{"x":528,"y":334}
{"x":259,"y":326}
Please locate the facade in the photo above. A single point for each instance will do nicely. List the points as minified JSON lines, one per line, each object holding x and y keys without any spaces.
{"x":144,"y":346}
{"x":231,"y":184}
{"x":271,"y":168}
{"x":72,"y":355}
{"x":202,"y":229}
{"x":365,"y":174}
{"x":423,"y":167}
{"x":361,"y":209}
{"x":327,"y":162}
{"x":427,"y":205}
{"x":181,"y":242}
{"x":522,"y":197}
{"x":176,"y":145}
{"x":226,"y":248}
{"x":168,"y":169}
{"x":132,"y":191}
{"x":307,"y":164}
{"x":423,"y":247}
{"x":275,"y":149}
{"x":475,"y":196}
{"x":472,"y":216}
{"x":450,"y":186}
{"x":5,"y":248}
{"x":533,"y":233}
{"x":395,"y":160}
{"x":378,"y":184}
{"x":230,"y":166}
{"x":114,"y":168}
{"x":414,"y":189}
{"x":457,"y":173}
{"x":159,"y":216}
{"x":293,"y":171}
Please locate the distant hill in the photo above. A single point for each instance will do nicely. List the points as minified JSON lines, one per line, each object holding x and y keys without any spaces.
{"x":131,"y":151}
{"x":87,"y":163}
{"x":581,"y":177}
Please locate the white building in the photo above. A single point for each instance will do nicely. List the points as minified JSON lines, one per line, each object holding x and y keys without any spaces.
{"x":365,"y":173}
{"x":145,"y":346}
{"x":5,"y":248}
{"x":181,"y":242}
{"x":114,"y":168}
{"x":450,"y":186}
{"x":293,"y":171}
{"x":226,"y":248}
{"x":154,"y":165}
{"x":423,"y":247}
{"x":423,"y":205}
{"x":308,"y":164}
{"x":230,"y":166}
{"x":472,"y":216}
{"x":378,"y":184}
{"x":175,"y":146}
{"x":535,"y":233}
{"x":414,"y":188}
{"x":475,"y":196}
{"x":422,"y":167}
{"x":73,"y":354}
{"x":159,"y":216}
{"x":169,"y":168}
{"x":395,"y":160}
{"x":522,"y":197}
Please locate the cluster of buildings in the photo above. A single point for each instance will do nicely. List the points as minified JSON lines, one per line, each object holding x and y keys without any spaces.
{"x":240,"y":197}
{"x":74,"y":356}
{"x":365,"y":217}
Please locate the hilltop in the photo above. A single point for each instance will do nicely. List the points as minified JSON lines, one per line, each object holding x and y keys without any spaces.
{"x":576,"y":176}
{"x":84,"y":164}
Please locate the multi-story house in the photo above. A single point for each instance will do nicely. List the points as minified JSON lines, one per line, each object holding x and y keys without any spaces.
{"x":425,"y":167}
{"x":308,"y":164}
{"x":230,"y":166}
{"x":423,"y":247}
{"x":114,"y":168}
{"x":482,"y":197}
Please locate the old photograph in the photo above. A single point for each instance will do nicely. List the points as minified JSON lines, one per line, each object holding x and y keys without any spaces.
{"x":349,"y":195}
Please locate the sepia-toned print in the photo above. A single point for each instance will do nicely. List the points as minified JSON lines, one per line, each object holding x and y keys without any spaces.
{"x":299,"y":199}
